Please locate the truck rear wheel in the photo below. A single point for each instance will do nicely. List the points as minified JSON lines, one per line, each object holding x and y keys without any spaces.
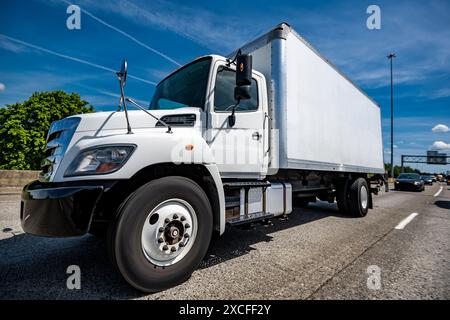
{"x":342,"y":196}
{"x":359,"y":198}
{"x":161,"y":233}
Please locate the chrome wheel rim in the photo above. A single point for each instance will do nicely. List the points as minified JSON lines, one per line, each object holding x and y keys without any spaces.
{"x":169,"y":231}
{"x":364,"y":197}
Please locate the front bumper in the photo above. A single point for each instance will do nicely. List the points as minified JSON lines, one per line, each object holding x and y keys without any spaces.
{"x":58,"y":210}
{"x":408,"y":186}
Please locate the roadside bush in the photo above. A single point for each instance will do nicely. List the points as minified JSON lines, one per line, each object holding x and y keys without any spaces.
{"x":24,"y":126}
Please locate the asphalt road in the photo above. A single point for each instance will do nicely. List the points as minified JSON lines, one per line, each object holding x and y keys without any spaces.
{"x":315,"y":254}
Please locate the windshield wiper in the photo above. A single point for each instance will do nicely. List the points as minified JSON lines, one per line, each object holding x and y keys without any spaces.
{"x":169,"y":128}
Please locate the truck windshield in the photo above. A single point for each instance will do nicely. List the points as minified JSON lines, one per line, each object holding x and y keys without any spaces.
{"x":184,"y":88}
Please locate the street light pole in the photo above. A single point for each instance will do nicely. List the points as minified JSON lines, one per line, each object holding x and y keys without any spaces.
{"x":391,"y":56}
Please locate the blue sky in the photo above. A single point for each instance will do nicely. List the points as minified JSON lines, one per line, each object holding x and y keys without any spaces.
{"x":175,"y":32}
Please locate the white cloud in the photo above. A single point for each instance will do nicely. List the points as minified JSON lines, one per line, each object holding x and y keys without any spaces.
{"x":22,"y":85}
{"x":209,"y":29}
{"x":2,"y":87}
{"x":441,"y":93}
{"x":11,"y":46}
{"x":440,"y":128}
{"x":440,"y":145}
{"x":67,"y":57}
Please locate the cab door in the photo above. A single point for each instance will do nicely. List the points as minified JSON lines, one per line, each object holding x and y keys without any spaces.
{"x":239,"y":150}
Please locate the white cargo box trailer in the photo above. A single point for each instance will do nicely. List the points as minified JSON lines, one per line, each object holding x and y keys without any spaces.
{"x":324,"y":121}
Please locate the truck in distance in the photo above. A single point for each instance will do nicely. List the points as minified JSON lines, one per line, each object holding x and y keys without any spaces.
{"x":226,"y":141}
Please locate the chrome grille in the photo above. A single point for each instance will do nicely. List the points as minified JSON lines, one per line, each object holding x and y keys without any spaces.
{"x":58,"y":138}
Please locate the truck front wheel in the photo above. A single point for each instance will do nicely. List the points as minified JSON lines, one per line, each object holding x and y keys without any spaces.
{"x":161,"y":233}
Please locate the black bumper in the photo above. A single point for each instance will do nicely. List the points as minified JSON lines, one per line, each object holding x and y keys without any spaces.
{"x":408,"y":186}
{"x":58,"y":210}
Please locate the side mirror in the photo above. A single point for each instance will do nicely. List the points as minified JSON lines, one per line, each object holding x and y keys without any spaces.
{"x":243,"y":77}
{"x":231,"y":120}
{"x":243,"y":70}
{"x":242,"y":93}
{"x":122,"y":74}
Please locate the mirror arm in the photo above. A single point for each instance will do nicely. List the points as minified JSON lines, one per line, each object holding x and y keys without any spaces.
{"x":229,"y":62}
{"x":169,"y":128}
{"x":122,"y":98}
{"x":232,"y":116}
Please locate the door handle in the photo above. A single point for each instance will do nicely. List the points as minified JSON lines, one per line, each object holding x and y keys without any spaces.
{"x":256,"y":135}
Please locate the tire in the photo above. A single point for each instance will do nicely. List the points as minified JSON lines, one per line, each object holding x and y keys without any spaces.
{"x":359,"y":198}
{"x":342,"y":197}
{"x":134,"y":251}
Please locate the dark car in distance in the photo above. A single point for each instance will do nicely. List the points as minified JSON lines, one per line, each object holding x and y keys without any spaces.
{"x":428,"y":180}
{"x":409,"y":181}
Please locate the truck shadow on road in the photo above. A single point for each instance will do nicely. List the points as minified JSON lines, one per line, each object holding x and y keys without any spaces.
{"x":227,"y":247}
{"x":35,"y":267}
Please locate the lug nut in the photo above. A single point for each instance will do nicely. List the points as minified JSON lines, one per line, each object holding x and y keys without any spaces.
{"x":165,"y":248}
{"x":167,"y":220}
{"x":160,"y":240}
{"x":173,"y":249}
{"x":186,"y":235}
{"x":175,"y":216}
{"x":161,"y":229}
{"x":187,"y":226}
{"x":182,"y":218}
{"x":181,"y":244}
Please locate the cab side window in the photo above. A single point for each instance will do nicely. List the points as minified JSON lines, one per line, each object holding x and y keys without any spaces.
{"x":224,"y":93}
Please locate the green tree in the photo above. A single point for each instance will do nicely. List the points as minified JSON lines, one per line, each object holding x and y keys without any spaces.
{"x":398,"y":170}
{"x":24,"y":126}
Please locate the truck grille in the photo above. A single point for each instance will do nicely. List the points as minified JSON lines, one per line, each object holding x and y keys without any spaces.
{"x":58,"y":138}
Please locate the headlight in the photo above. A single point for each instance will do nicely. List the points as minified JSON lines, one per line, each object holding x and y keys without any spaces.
{"x":100,"y":160}
{"x":416,"y":183}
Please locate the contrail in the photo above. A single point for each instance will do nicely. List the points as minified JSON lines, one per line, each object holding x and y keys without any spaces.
{"x":95,"y":65}
{"x":127,"y":35}
{"x":109,"y":94}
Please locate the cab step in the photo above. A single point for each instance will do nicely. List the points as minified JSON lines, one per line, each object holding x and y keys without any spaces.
{"x":247,"y":184}
{"x":249,"y":218}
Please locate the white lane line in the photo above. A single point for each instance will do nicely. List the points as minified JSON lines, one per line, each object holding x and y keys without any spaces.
{"x":439,"y":192}
{"x":405,"y":221}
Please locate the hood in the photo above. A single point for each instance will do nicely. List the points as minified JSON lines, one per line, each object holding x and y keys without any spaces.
{"x":407,"y":180}
{"x":115,"y":120}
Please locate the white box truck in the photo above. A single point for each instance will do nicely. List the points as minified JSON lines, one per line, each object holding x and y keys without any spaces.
{"x":225,"y":141}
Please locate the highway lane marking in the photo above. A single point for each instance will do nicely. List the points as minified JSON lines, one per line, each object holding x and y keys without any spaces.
{"x":439,"y":192}
{"x":405,"y":221}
